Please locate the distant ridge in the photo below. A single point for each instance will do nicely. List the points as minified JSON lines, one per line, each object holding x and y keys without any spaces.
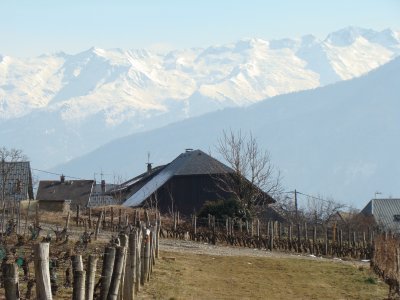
{"x":340,"y":140}
{"x":60,"y":106}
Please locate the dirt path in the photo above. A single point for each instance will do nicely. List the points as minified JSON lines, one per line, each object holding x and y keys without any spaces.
{"x":182,"y":246}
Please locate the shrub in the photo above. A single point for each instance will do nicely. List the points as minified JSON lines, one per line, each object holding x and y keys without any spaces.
{"x":222,"y":209}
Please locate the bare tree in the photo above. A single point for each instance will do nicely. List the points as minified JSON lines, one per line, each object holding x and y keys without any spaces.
{"x":8,"y":158}
{"x":321,"y":211}
{"x":253,"y":175}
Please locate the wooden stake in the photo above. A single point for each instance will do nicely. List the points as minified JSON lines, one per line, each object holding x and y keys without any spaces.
{"x":124,"y":243}
{"x":96,"y":233}
{"x":90,"y":218}
{"x":158,"y":235}
{"x":78,"y":211}
{"x":139,"y":260}
{"x":112,"y":218}
{"x":67,"y":221}
{"x":106,"y":274}
{"x":78,"y":292}
{"x":42,"y":273}
{"x":77,"y":264}
{"x":37,"y":218}
{"x":90,"y":276}
{"x":27,"y":216}
{"x":11,"y":283}
{"x":116,"y":273}
{"x":130,"y":271}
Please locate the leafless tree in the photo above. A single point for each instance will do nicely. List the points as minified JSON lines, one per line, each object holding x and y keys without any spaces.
{"x":320,"y":210}
{"x":8,"y":158}
{"x":253,"y":177}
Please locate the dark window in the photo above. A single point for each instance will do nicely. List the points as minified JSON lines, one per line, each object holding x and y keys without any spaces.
{"x":396,"y":218}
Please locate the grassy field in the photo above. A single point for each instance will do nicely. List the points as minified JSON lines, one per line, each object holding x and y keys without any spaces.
{"x":192,"y":276}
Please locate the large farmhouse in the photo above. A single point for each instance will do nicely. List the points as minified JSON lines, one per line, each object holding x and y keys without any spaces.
{"x":184,"y":184}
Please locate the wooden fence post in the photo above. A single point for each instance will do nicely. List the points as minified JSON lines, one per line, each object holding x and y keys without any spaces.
{"x":90,"y":218}
{"x":195,"y":227}
{"x":112,"y":218}
{"x":315,"y":240}
{"x":326,"y":241}
{"x":27,"y":216}
{"x":77,"y":264}
{"x":107,"y":271}
{"x":146,"y":218}
{"x":42,"y":272}
{"x":298,"y":238}
{"x":139,"y":260}
{"x":78,"y":211}
{"x":116,"y":273}
{"x":78,"y":292}
{"x":175,"y":223}
{"x":37,"y":218}
{"x":305,"y":232}
{"x":11,"y":283}
{"x":96,"y":233}
{"x":120,"y":218}
{"x":90,"y":276}
{"x":67,"y":221}
{"x":130,"y":272}
{"x":272,"y":237}
{"x":124,"y":243}
{"x":145,"y":255}
{"x":158,"y":235}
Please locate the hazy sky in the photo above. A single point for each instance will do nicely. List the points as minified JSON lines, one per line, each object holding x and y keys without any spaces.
{"x":33,"y":27}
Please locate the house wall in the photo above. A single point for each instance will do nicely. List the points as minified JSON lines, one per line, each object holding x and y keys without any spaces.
{"x":54,"y":205}
{"x":187,"y":194}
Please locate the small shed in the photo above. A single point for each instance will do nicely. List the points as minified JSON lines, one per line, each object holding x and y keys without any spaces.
{"x":77,"y":191}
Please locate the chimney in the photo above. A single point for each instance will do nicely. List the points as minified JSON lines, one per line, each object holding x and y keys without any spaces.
{"x":148,"y":168}
{"x":188,"y":149}
{"x":103,"y":186}
{"x":62,"y":178}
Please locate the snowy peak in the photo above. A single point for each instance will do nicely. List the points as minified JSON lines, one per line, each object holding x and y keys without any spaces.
{"x":347,"y":36}
{"x":126,"y":91}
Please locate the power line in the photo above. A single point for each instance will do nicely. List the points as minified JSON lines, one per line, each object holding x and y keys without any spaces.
{"x":52,"y":173}
{"x":310,"y":196}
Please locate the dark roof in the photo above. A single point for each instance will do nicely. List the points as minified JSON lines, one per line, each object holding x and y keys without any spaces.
{"x":78,"y":191}
{"x":137,"y":182}
{"x":197,"y":163}
{"x":18,"y":179}
{"x":384,"y":212}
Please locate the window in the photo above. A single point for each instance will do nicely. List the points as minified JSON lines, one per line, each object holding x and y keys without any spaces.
{"x":396,"y":218}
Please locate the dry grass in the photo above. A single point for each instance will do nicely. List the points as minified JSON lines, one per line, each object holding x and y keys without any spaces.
{"x":193,"y":276}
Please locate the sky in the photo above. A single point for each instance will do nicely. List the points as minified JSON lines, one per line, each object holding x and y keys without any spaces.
{"x":30,"y":28}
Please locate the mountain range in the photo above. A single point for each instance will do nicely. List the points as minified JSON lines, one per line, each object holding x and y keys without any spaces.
{"x":340,"y":140}
{"x":57,"y":107}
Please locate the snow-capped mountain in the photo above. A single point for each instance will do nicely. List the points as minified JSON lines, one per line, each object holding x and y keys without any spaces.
{"x":341,"y":140}
{"x":59,"y":106}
